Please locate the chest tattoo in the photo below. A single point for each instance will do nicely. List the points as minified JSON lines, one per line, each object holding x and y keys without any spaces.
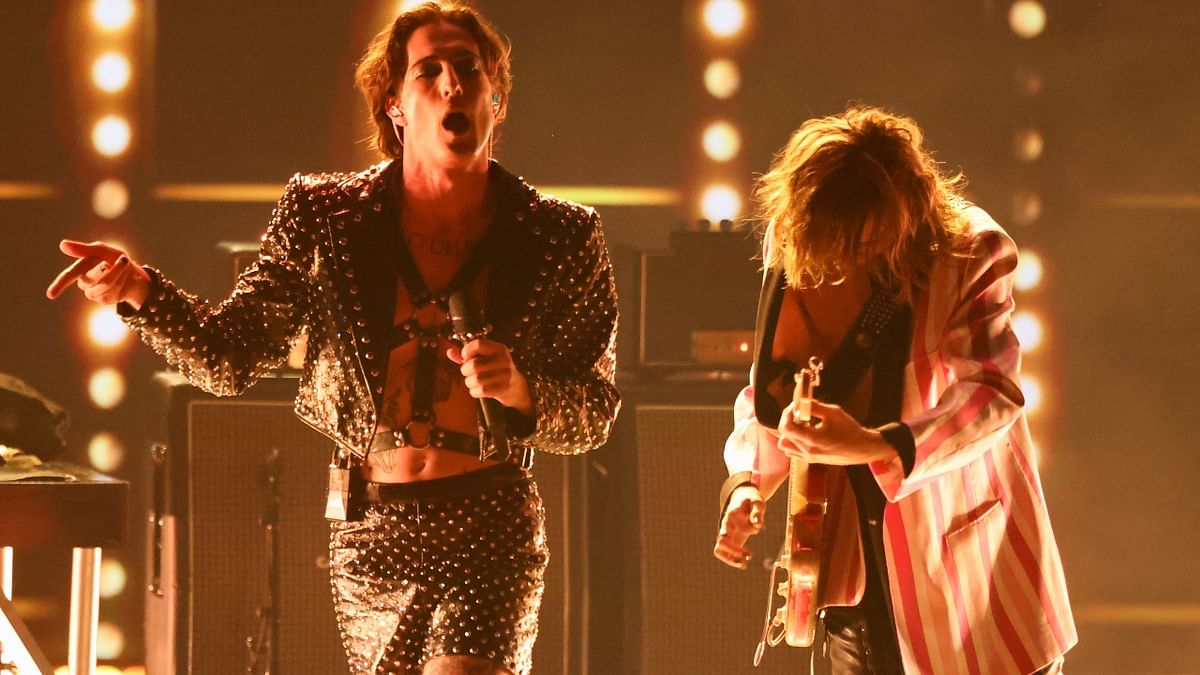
{"x":446,"y":376}
{"x":419,"y":242}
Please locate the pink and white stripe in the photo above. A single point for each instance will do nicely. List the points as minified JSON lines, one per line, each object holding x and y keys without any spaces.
{"x":974,"y":571}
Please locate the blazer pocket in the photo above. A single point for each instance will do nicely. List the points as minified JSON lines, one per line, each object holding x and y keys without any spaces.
{"x":972,"y":548}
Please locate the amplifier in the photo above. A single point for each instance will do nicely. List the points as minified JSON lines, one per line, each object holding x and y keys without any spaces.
{"x":698,"y":301}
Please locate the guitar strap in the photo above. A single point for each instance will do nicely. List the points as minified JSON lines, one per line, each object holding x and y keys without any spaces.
{"x":856,"y":352}
{"x":880,"y":342}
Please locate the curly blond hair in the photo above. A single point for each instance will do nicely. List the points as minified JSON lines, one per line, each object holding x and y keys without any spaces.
{"x":855,"y":187}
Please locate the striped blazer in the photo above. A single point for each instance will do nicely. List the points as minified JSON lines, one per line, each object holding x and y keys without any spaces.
{"x":974,"y":573}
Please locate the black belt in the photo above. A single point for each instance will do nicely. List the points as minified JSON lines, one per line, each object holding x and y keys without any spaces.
{"x":462,"y":485}
{"x":442,"y":439}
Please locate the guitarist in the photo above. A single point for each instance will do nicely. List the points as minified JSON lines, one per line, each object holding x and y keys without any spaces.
{"x":937,"y":551}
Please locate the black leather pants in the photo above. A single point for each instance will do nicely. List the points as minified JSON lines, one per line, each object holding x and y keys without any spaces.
{"x":855,"y":646}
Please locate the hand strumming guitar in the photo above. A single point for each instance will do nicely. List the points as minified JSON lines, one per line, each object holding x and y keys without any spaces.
{"x":743,"y":517}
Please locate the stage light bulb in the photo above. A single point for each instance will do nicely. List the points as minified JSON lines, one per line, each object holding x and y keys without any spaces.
{"x":1029,"y":271}
{"x":106,"y":387}
{"x":1027,"y":208}
{"x":110,"y":198}
{"x":1027,"y":18}
{"x":106,"y":452}
{"x":105,"y":327}
{"x":110,"y":643}
{"x":112,"y":578}
{"x":111,"y":135}
{"x":724,"y":18}
{"x":720,"y":202}
{"x":111,"y":72}
{"x":1028,"y":329}
{"x":1029,"y":80}
{"x":1028,"y":145}
{"x":722,"y":78}
{"x":112,"y":14}
{"x":1031,"y":386}
{"x":721,"y":141}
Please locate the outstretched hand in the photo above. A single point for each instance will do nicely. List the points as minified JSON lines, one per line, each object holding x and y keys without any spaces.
{"x":105,"y":274}
{"x":489,"y":371}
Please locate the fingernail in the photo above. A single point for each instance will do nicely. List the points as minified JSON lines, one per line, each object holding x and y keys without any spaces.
{"x":122,"y":260}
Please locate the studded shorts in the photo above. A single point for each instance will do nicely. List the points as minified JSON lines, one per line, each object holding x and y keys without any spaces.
{"x":452,"y":566}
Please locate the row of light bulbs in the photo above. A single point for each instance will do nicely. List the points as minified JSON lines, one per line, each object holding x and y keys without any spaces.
{"x":1027,"y":19}
{"x":721,"y":140}
{"x":111,"y":70}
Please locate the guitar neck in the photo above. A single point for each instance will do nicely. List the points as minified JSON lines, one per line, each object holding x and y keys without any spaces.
{"x":797,"y":497}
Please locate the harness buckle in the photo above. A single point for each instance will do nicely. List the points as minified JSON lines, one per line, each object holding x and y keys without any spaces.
{"x":408,"y":435}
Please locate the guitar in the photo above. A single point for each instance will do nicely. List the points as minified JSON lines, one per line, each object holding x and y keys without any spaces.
{"x":800,"y":561}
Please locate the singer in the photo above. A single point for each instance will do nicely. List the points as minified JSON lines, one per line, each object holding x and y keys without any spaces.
{"x":437,"y":548}
{"x":937,"y":555}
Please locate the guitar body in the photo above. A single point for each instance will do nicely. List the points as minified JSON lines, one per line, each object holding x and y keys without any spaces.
{"x":807,"y":505}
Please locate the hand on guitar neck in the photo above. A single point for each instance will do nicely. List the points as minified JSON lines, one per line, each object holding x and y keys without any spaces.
{"x":832,"y":437}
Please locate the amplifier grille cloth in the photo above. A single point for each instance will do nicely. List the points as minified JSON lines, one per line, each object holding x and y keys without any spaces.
{"x":230,"y":442}
{"x":698,"y":615}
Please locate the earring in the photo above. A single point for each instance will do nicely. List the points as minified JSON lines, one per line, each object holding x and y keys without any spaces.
{"x":495,"y":100}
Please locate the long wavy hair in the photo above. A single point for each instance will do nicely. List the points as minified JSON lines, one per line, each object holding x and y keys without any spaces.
{"x":386,"y":59}
{"x":859,"y":189}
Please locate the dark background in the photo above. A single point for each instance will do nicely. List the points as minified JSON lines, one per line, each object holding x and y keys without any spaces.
{"x":606,"y":93}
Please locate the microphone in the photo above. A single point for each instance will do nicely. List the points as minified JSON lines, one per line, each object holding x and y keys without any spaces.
{"x":466,"y":318}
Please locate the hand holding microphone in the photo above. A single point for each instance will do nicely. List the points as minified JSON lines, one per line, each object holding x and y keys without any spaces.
{"x":487,"y":366}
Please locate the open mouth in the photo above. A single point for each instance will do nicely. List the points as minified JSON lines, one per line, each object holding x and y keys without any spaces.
{"x":455,"y":123}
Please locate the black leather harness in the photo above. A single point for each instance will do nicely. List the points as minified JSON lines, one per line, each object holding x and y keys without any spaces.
{"x":427,"y":339}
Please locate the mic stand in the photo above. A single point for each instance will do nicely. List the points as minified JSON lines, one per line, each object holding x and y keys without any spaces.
{"x":262,"y":647}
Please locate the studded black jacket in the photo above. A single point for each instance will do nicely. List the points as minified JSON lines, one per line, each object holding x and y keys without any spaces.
{"x":323,"y":269}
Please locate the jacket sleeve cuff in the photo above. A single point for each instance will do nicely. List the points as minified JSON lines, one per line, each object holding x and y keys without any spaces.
{"x":520,"y":427}
{"x":732,"y":483}
{"x":127,"y":311}
{"x":900,"y":437}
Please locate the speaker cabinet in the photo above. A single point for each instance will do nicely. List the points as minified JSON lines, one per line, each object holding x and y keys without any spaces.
{"x":682,"y":610}
{"x":209,"y":560}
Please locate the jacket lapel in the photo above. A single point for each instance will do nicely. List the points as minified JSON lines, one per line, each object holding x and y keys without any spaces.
{"x":765,"y":368}
{"x":517,"y":252}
